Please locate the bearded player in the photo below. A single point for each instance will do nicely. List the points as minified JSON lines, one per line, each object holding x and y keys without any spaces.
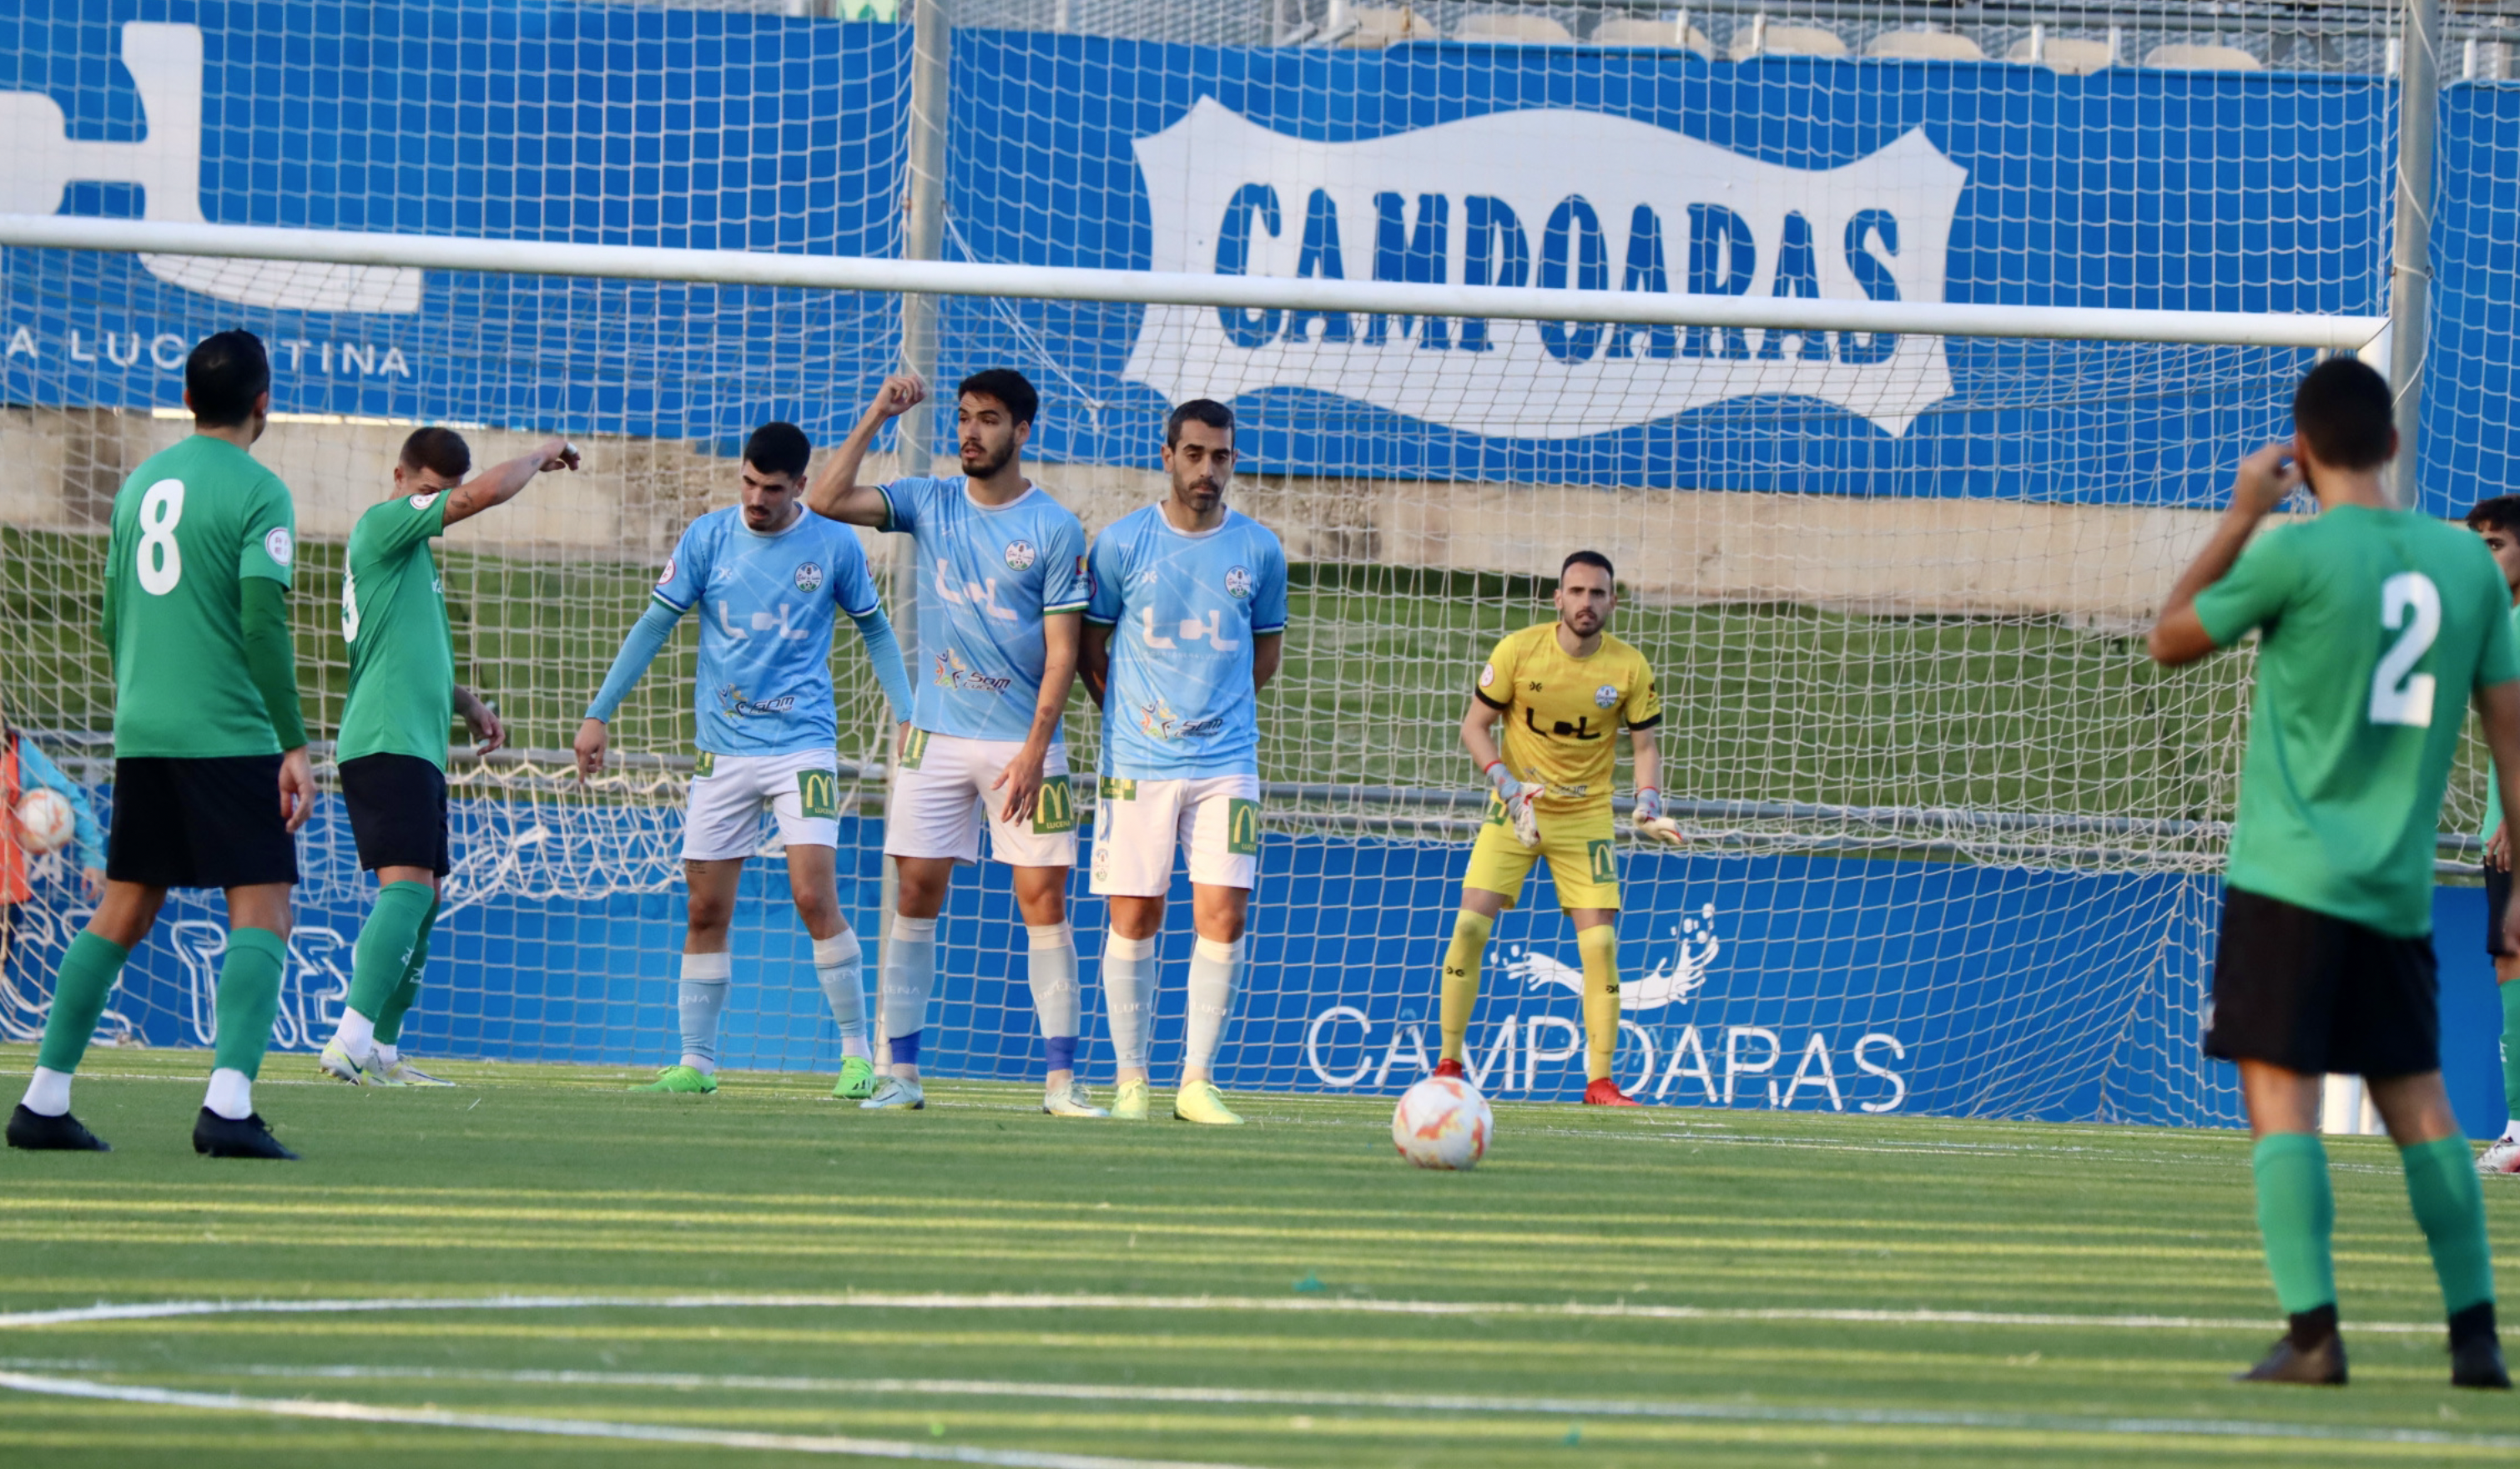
{"x":1185,"y":627}
{"x":1001,"y":594}
{"x":1562,"y":691}
{"x":210,"y":779}
{"x":392,"y":746}
{"x":769,"y":579}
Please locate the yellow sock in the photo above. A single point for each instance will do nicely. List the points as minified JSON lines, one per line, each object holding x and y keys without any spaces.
{"x":1461,"y":978}
{"x":1600,"y":947}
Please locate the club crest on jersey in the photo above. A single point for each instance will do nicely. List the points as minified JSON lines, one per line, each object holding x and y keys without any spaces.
{"x":424,"y":499}
{"x":809,"y":577}
{"x":665,"y":577}
{"x":279,"y":546}
{"x":1487,"y":675}
{"x":1020,"y":556}
{"x":1238,"y":584}
{"x":1606,"y":696}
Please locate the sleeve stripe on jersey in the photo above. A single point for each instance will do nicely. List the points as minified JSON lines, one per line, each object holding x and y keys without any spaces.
{"x":1640,"y":724}
{"x":678,"y":606}
{"x":1260,"y":631}
{"x":1078,"y":606}
{"x":868,"y":611}
{"x":1498,"y":705}
{"x":888,"y":506}
{"x":1101,"y":621}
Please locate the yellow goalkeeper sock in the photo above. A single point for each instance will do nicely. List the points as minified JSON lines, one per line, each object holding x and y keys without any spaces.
{"x":1600,"y":948}
{"x":1460,"y":983}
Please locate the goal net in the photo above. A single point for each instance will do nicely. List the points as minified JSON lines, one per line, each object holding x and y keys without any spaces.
{"x":1954,"y":840}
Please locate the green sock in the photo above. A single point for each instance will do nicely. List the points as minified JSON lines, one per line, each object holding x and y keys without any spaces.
{"x":87,"y":974}
{"x":249,"y":999}
{"x":2450,"y":1204}
{"x":2296,"y":1218}
{"x":389,"y":1019}
{"x":385,"y":943}
{"x":2511,"y":1050}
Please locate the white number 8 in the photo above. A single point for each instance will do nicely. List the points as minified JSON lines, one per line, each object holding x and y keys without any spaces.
{"x":2399,"y":694}
{"x":161,"y":562}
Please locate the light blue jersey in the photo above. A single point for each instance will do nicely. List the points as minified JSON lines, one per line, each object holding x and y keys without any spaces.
{"x":1184,"y":610}
{"x":767,"y":605}
{"x":986,"y":579}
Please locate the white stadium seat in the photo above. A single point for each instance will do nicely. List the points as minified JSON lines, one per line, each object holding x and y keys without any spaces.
{"x":1925,"y":45}
{"x":1626,"y":31}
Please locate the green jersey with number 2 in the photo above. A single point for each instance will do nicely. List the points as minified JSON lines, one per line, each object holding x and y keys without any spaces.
{"x":393,"y":617}
{"x":2374,"y":627}
{"x":189,"y":526}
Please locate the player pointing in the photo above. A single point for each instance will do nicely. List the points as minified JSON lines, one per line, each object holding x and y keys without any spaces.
{"x":2373,"y":625}
{"x":768,"y":578}
{"x":1001,"y":593}
{"x":392,"y":746}
{"x":1185,"y":629}
{"x":1561,"y":691}
{"x":211,"y":780}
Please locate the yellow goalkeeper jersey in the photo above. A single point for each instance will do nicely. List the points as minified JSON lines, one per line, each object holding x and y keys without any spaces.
{"x":1561,"y":712}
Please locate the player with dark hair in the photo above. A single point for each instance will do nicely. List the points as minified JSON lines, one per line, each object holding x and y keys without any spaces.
{"x":392,"y":746}
{"x":1562,"y":691}
{"x":769,"y":577}
{"x":2498,"y":522}
{"x":1185,"y":627}
{"x":2372,"y":623}
{"x":1000,"y":591}
{"x":206,"y":733}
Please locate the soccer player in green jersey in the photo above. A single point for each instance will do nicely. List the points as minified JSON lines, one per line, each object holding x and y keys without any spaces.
{"x":392,"y":746}
{"x":211,"y":781}
{"x":2498,"y":522}
{"x":2373,"y":624}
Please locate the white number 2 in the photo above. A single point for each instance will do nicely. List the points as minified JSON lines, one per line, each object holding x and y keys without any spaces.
{"x":161,"y":562}
{"x":2399,"y":696}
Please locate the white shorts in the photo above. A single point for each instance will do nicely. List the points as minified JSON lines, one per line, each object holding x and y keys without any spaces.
{"x":945,"y":796}
{"x":729,"y":791}
{"x":1140,"y":822}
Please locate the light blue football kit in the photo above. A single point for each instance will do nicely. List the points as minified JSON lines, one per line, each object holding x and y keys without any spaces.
{"x":989,"y":577}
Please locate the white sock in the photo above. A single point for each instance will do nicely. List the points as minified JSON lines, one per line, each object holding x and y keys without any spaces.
{"x":230,"y":1095}
{"x":385,"y":1055}
{"x":1125,"y":962}
{"x":357,"y":1034}
{"x":909,"y":976}
{"x":1214,"y":970}
{"x":840,"y":964}
{"x":1051,"y":968}
{"x":48,"y":1093}
{"x":703,"y":999}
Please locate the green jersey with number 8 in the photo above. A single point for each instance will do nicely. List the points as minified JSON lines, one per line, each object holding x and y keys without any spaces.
{"x":189,"y":526}
{"x":2375,"y":626}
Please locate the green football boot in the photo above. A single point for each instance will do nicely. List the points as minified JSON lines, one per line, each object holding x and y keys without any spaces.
{"x":681,"y":1079}
{"x":857,"y":1080}
{"x":1129,"y":1103}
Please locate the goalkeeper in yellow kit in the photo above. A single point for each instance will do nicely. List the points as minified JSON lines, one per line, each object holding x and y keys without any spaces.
{"x":1562,"y":690}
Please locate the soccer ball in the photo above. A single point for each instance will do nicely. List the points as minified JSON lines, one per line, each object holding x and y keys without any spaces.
{"x":1442,"y":1123}
{"x":44,"y":822}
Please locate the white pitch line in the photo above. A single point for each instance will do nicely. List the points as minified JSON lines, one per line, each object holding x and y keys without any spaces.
{"x":158,"y":1310}
{"x":580,"y":1428}
{"x":1418,"y":1403}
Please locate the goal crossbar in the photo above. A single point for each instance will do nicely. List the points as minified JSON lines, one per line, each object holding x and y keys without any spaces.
{"x":860,"y":273}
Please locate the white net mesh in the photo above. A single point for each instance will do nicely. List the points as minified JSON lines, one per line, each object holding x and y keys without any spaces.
{"x":1954,"y":838}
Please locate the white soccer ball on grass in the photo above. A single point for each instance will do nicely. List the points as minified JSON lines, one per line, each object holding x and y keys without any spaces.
{"x":1442,"y":1123}
{"x":45,"y":823}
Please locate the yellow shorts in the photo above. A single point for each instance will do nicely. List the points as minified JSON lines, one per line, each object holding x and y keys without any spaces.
{"x":1582,"y":854}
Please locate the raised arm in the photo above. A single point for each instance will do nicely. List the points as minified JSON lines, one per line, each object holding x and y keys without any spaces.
{"x":836,"y":492}
{"x":2264,"y":477}
{"x":499,"y":485}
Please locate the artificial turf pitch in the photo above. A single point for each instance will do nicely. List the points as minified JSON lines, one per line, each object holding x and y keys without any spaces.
{"x":978,"y":1280}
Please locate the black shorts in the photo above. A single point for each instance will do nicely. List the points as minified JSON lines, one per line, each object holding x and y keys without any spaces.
{"x":207,"y":823}
{"x":2497,"y":902}
{"x":2315,"y":993}
{"x":397,"y":811}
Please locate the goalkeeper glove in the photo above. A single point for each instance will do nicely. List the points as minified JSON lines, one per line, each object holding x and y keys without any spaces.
{"x":1518,"y":799}
{"x":1649,"y":820}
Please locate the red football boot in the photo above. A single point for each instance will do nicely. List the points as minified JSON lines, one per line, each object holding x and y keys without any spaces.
{"x":1606,"y":1093}
{"x":1451,"y":1068}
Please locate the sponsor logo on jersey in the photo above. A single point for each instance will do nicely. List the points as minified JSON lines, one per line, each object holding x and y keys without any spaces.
{"x":424,"y":499}
{"x":1237,"y":582}
{"x":665,"y":577}
{"x":1606,"y":696}
{"x":953,"y":674}
{"x":1082,"y":571}
{"x":279,"y":546}
{"x":809,"y":577}
{"x":731,"y":703}
{"x":1020,"y":556}
{"x":1158,"y":721}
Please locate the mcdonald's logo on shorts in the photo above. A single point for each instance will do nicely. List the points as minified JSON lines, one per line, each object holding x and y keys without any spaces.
{"x":1241,"y":827}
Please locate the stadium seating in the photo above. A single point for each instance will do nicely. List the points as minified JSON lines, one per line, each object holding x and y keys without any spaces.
{"x":1626,"y":31}
{"x":1508,"y":28}
{"x":1375,"y":26}
{"x":2064,"y":55}
{"x":1762,"y":37}
{"x":2181,"y":57}
{"x":1925,"y":45}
